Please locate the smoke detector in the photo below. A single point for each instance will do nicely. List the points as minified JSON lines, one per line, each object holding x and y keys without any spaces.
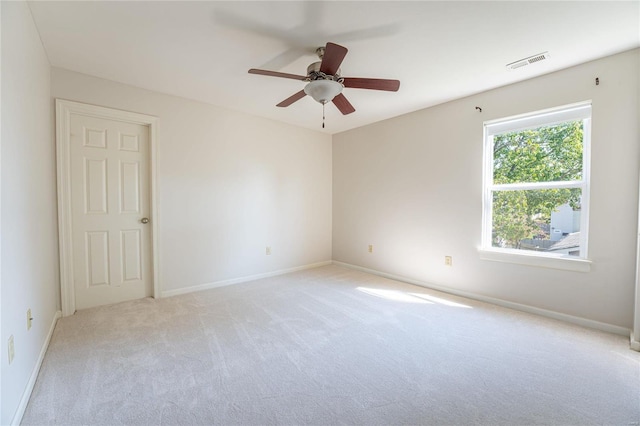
{"x":527,"y":61}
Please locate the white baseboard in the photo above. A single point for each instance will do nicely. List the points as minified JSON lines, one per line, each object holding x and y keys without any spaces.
{"x":609,"y":328}
{"x":17,"y":418}
{"x":635,"y":345}
{"x":239,"y":280}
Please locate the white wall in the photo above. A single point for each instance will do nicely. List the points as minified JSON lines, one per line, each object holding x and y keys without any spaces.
{"x":28,"y":219}
{"x":412,"y":187}
{"x":230,"y":184}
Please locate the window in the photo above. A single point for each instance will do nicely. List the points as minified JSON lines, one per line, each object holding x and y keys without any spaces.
{"x":536,"y":183}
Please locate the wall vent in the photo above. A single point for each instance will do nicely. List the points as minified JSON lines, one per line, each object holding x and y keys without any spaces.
{"x":527,"y":61}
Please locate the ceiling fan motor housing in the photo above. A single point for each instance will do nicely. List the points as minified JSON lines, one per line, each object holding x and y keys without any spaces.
{"x":314,"y":73}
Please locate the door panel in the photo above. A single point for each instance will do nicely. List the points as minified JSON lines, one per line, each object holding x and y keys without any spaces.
{"x":97,"y":257}
{"x":109,"y":165}
{"x":131,"y":255}
{"x":95,"y":186}
{"x":130,"y":187}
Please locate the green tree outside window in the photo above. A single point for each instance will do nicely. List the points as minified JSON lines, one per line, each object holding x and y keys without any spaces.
{"x":544,"y":154}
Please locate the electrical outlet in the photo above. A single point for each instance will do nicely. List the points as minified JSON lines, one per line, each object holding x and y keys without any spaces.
{"x":12,"y":352}
{"x":448,"y":261}
{"x":268,"y":251}
{"x":29,"y":319}
{"x":370,"y":248}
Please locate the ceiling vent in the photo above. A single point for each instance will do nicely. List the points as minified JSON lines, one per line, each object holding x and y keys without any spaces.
{"x":527,"y":61}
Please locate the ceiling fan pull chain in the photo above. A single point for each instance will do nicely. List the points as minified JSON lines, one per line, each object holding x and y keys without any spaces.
{"x":323,"y":114}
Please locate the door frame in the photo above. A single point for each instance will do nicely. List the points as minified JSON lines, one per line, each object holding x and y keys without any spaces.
{"x":64,"y":109}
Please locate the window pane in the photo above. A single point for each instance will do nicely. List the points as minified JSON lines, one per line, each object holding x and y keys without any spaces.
{"x":544,"y":220}
{"x":545,"y":154}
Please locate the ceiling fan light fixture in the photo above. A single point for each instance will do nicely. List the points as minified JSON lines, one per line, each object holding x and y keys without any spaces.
{"x":323,"y":91}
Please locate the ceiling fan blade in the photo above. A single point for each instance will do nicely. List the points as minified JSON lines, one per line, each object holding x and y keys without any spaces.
{"x":333,"y":57}
{"x":277,"y":74}
{"x":343,"y":104}
{"x":371,"y":83}
{"x":293,"y":98}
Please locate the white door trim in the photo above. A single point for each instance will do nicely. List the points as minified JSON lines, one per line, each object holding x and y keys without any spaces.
{"x":635,"y":332}
{"x":64,"y":109}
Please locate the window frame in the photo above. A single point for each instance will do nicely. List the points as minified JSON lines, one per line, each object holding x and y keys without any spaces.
{"x":547,"y":117}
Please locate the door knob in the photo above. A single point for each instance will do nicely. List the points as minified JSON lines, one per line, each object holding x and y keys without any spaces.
{"x":144,"y":220}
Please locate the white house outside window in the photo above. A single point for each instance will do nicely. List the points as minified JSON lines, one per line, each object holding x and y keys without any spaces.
{"x":536,"y":183}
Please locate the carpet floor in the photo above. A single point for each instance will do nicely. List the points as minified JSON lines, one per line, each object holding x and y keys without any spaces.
{"x":330,"y":346}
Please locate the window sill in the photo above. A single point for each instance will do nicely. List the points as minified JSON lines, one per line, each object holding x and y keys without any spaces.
{"x":543,"y":261}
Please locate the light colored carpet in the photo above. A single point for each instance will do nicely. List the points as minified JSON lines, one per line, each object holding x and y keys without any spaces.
{"x":330,"y":346}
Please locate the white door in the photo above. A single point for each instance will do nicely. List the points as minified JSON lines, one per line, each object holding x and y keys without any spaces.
{"x":110,"y":210}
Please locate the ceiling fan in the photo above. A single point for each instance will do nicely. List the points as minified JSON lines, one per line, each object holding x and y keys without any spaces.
{"x":325,"y":82}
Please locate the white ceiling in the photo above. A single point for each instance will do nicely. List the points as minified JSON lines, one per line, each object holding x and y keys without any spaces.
{"x":438,"y":50}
